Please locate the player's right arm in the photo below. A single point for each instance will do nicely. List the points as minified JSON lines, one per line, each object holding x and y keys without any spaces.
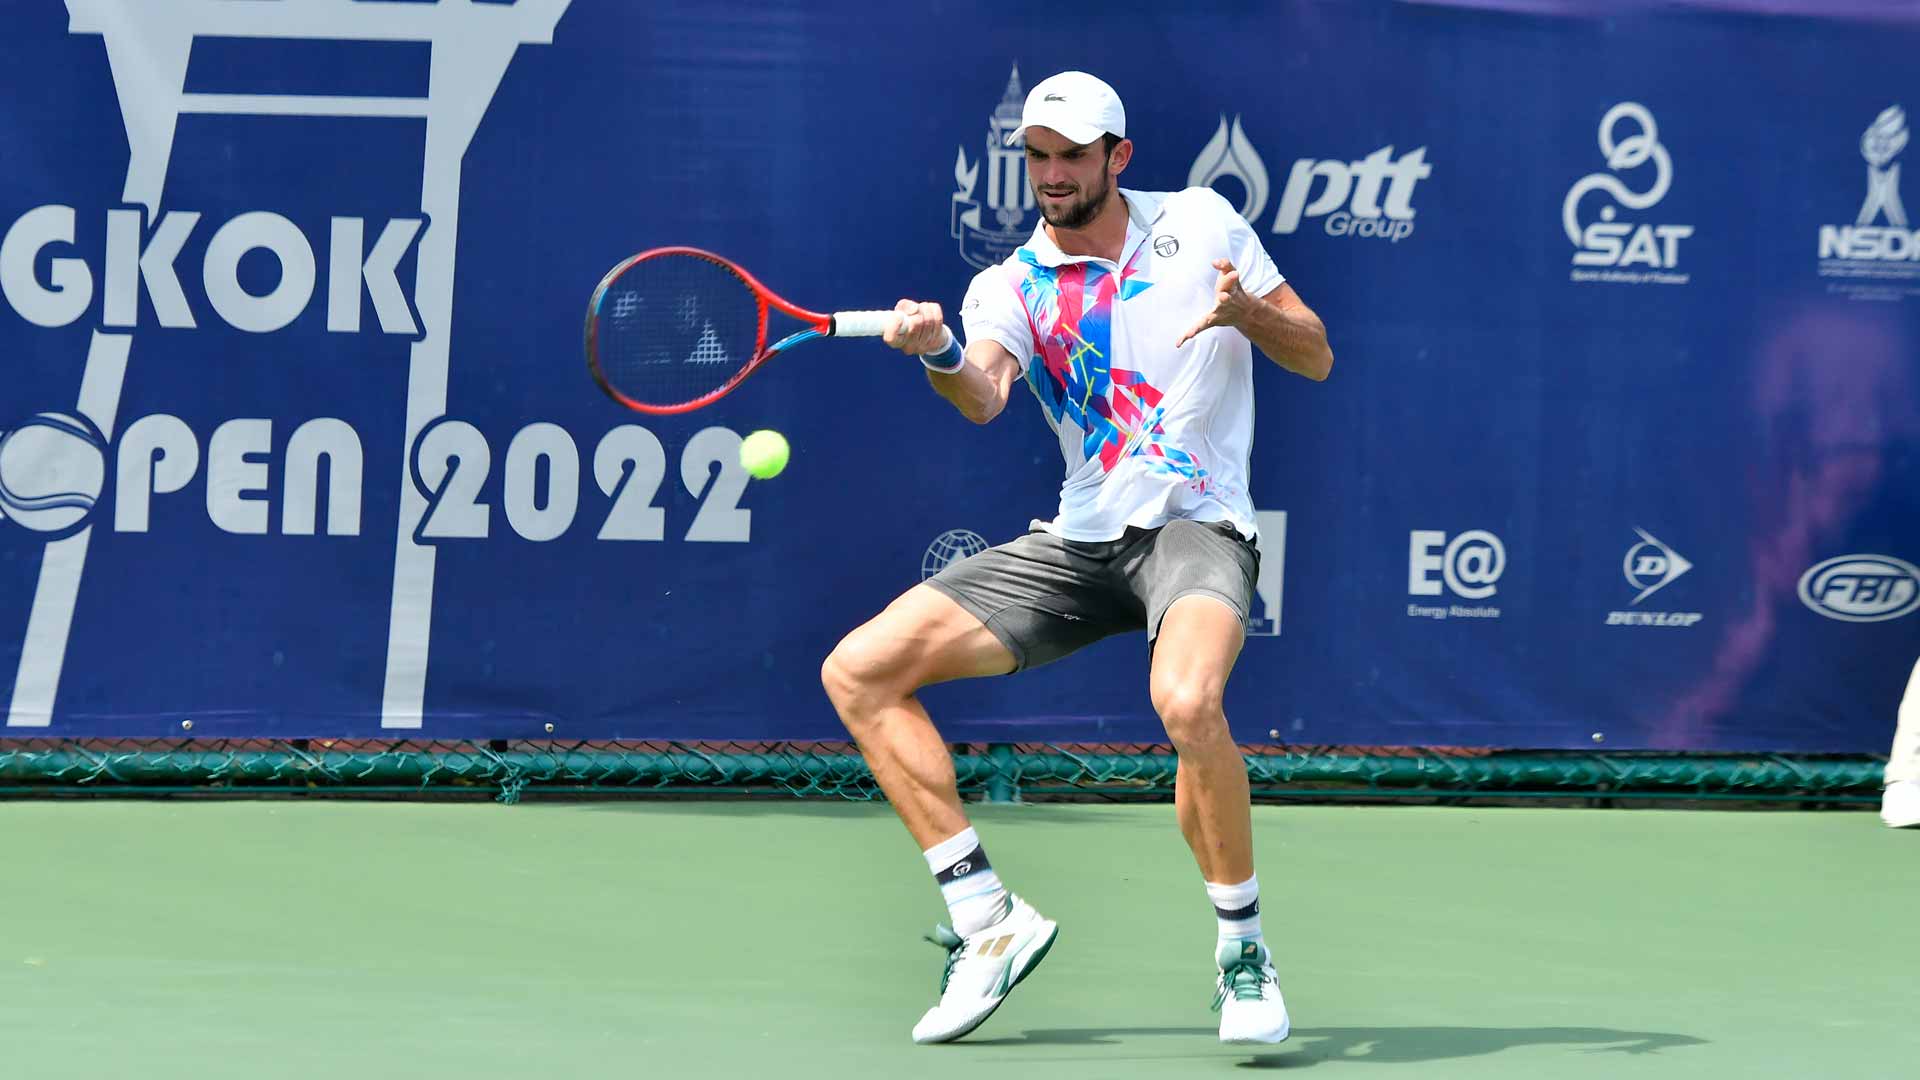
{"x":998,"y":332}
{"x":979,"y":387}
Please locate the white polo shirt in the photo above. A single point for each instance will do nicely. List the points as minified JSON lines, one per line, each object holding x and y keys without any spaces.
{"x":1149,"y":432}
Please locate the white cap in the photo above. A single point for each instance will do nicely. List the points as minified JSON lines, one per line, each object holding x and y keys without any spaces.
{"x":1075,"y":104}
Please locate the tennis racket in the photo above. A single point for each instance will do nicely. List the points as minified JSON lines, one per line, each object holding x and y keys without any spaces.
{"x":676,"y":328}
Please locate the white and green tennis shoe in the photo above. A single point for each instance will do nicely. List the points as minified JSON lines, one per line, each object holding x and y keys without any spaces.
{"x":982,"y":968}
{"x":1247,"y":994}
{"x":1900,"y":805}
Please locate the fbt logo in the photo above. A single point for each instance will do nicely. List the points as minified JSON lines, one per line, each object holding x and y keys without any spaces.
{"x":1649,"y":567}
{"x":1861,"y":588}
{"x":1618,"y":244}
{"x":131,"y":256}
{"x":1371,"y":197}
{"x":1469,"y":565}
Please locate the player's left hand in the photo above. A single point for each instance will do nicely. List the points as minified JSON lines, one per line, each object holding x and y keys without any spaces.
{"x":1231,"y":303}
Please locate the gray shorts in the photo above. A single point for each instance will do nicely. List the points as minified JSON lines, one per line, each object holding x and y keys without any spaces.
{"x":1045,"y":597}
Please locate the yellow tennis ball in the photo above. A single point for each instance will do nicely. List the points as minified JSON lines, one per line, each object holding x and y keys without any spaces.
{"x":764,"y":453}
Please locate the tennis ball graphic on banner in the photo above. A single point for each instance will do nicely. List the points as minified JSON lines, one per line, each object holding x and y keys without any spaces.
{"x":52,"y":469}
{"x":764,"y":453}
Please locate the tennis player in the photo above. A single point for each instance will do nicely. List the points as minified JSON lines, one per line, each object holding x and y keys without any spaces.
{"x":1132,"y":317}
{"x":1900,"y":802}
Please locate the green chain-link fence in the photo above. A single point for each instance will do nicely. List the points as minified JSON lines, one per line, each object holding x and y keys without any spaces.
{"x":997,"y":772}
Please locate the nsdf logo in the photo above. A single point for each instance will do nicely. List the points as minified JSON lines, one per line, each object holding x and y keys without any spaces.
{"x":1861,"y":588}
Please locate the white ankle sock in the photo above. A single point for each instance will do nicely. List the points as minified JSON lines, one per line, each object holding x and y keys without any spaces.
{"x":975,"y":897}
{"x":1237,"y":907}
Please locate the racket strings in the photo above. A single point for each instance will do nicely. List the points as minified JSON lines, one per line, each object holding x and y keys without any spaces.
{"x":675,"y":328}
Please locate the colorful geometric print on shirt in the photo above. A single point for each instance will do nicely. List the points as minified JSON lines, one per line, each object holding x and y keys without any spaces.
{"x":1149,"y":431}
{"x":1071,"y":310}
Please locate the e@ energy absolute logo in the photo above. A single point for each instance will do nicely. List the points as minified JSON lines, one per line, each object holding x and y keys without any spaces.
{"x":1469,"y":565}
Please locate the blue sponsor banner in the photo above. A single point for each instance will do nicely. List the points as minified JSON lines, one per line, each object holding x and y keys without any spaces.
{"x":1619,"y":445}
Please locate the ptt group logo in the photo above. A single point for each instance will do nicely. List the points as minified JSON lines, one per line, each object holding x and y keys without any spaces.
{"x":1878,"y":256}
{"x":1468,"y":565}
{"x":1861,"y":588}
{"x":1649,"y":567}
{"x":1369,"y":198}
{"x":990,"y":225}
{"x":1611,"y":250}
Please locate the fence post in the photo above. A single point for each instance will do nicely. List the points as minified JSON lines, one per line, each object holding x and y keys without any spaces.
{"x":1003,"y":782}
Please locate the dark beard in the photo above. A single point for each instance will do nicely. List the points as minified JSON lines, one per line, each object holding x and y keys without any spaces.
{"x":1079,"y":214}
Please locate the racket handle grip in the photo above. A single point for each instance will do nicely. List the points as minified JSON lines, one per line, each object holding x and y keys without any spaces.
{"x":862,"y":323}
{"x":946,"y":361}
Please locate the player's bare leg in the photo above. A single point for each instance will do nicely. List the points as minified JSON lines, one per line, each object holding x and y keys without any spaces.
{"x":1199,"y":641}
{"x":872,"y":676}
{"x":921,"y":639}
{"x":1194,"y":652}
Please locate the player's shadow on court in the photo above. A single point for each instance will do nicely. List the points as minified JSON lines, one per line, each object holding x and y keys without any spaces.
{"x":1313,"y":1046}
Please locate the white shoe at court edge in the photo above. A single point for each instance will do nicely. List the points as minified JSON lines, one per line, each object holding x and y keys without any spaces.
{"x":982,"y":968}
{"x":1247,"y":994}
{"x":1900,"y":805}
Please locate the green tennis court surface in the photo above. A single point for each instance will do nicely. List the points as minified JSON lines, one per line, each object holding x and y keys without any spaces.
{"x":329,"y":939}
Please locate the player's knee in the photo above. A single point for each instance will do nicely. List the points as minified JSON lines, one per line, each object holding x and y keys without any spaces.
{"x":839,"y":677}
{"x":861,"y":669}
{"x":1191,"y":711}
